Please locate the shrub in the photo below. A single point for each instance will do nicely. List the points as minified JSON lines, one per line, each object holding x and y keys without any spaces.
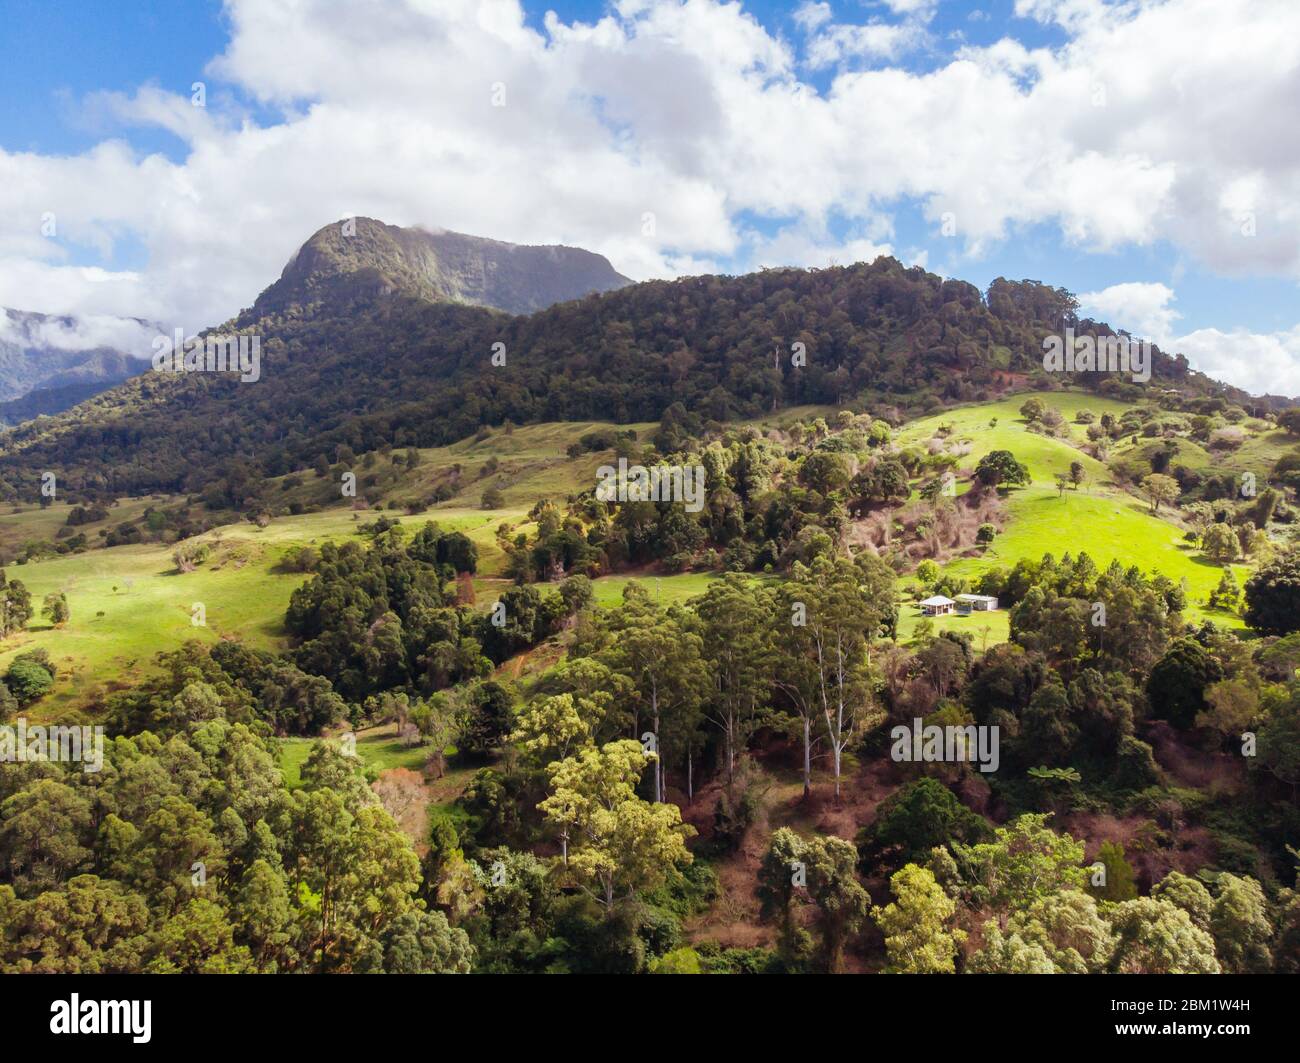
{"x":1227,"y":438}
{"x":1220,"y":543}
{"x":1176,"y":687}
{"x":189,"y":556}
{"x":1137,"y":768}
{"x":684,"y":960}
{"x":27,"y":679}
{"x":55,"y":608}
{"x":1273,"y":596}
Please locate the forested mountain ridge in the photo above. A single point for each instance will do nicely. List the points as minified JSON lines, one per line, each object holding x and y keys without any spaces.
{"x":44,"y":401}
{"x":362,"y":258}
{"x":388,"y":366}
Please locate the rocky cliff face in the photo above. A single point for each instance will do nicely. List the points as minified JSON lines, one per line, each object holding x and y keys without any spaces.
{"x":366,"y":257}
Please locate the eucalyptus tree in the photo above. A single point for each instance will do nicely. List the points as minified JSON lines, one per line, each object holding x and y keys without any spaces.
{"x":738,"y":629}
{"x":615,"y":845}
{"x":825,"y":663}
{"x":662,"y":658}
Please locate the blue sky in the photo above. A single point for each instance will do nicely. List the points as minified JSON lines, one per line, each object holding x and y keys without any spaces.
{"x":80,"y":75}
{"x":58,"y":54}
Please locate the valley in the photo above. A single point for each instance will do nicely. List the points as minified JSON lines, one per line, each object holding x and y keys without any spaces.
{"x":649,"y":487}
{"x":398,"y":620}
{"x":129,"y":602}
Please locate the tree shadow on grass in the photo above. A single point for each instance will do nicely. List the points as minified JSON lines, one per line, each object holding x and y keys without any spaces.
{"x":1198,"y":557}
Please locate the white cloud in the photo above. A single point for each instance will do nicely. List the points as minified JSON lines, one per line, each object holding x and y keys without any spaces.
{"x":1073,"y":14}
{"x":811,"y":14}
{"x":1140,"y":308}
{"x":1259,"y":362}
{"x":920,"y":9}
{"x":811,"y":248}
{"x":1166,"y":121}
{"x":1262,"y":363}
{"x":80,"y":333}
{"x":873,"y":40}
{"x":830,"y":44}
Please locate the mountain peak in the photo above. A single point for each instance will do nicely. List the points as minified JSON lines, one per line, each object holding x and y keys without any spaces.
{"x":364,"y":257}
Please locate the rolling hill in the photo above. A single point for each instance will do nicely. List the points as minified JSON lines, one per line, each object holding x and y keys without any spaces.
{"x":368,"y":343}
{"x":1101,"y":518}
{"x":129,"y":602}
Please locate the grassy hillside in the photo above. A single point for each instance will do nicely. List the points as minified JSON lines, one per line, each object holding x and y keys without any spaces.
{"x":129,"y":602}
{"x":1100,"y":518}
{"x":1263,"y":446}
{"x":378,"y":747}
{"x":1044,"y":455}
{"x":21,"y":524}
